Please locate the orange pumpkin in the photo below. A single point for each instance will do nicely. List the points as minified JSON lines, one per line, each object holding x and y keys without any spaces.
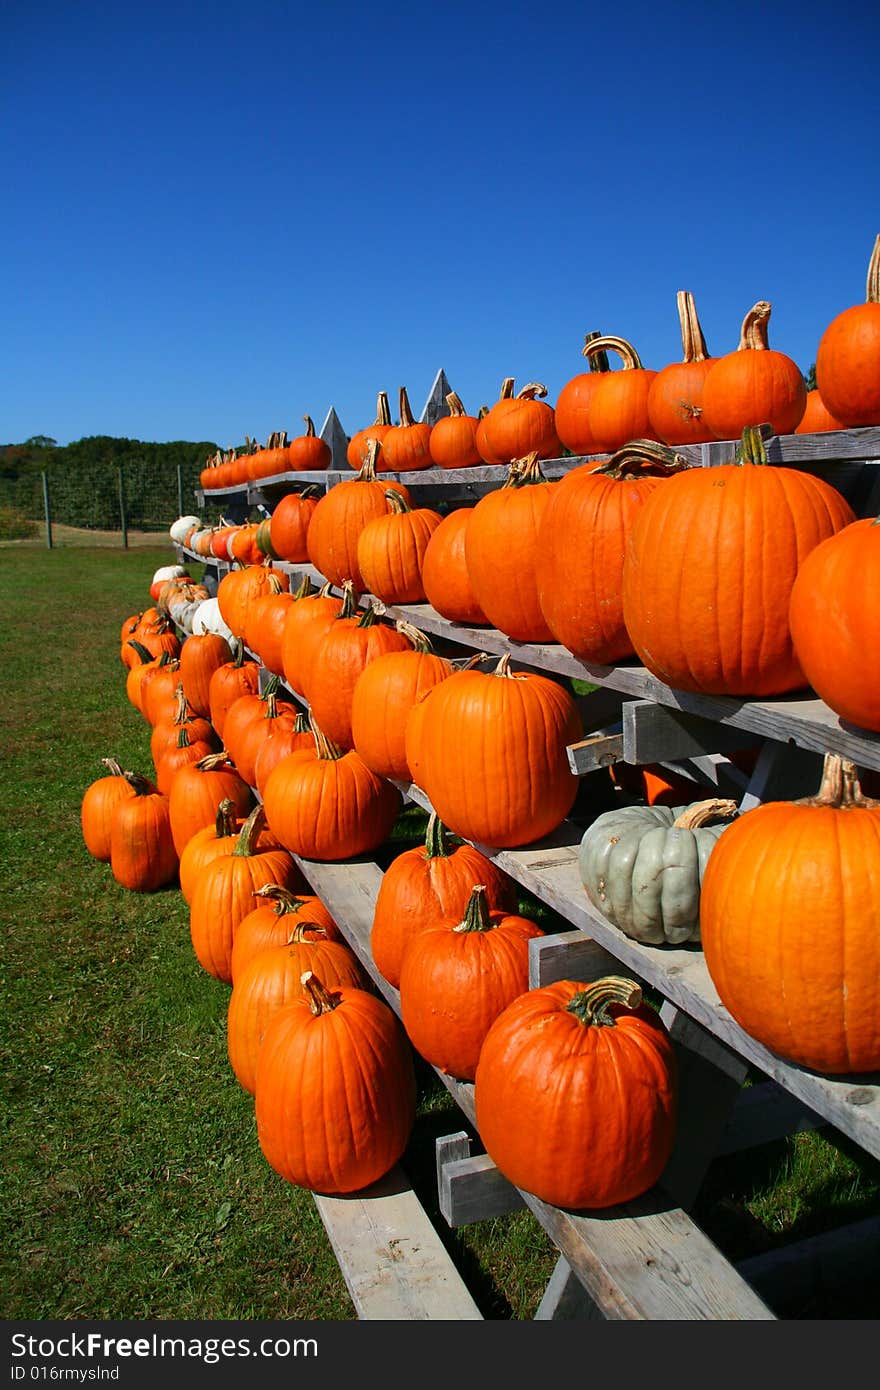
{"x":503,"y":555}
{"x":306,"y":453}
{"x":445,"y":577}
{"x":198,"y":790}
{"x":406,"y":447}
{"x":270,"y":923}
{"x":383,"y":695}
{"x":99,"y":802}
{"x":356,"y":453}
{"x":453,"y":441}
{"x":817,"y":418}
{"x":675,"y":399}
{"x":753,"y":385}
{"x":848,"y":358}
{"x":575,"y":401}
{"x":289,"y":526}
{"x":619,"y":405}
{"x":142,"y":853}
{"x":337,"y":661}
{"x":340,"y":517}
{"x":391,"y":550}
{"x":519,"y":425}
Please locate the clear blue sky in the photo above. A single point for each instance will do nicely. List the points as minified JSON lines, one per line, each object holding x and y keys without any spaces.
{"x":219,"y":217}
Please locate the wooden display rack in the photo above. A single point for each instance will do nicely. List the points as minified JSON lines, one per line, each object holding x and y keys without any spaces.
{"x":647,"y":1259}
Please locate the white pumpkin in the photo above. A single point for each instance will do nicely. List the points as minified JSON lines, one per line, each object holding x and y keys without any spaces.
{"x":179,"y":528}
{"x":166,"y":572}
{"x":207,"y":619}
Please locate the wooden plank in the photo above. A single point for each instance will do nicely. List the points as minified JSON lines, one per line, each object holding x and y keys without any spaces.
{"x":470,"y":1187}
{"x":549,"y":869}
{"x":646,"y":1259}
{"x":565,"y":1298}
{"x":655,"y":733}
{"x":597,"y":751}
{"x":394,"y":1264}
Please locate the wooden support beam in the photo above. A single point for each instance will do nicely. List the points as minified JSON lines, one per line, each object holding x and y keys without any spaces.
{"x":598,"y":751}
{"x":565,"y":1298}
{"x":470,"y":1187}
{"x":796,"y":1272}
{"x":782,"y":773}
{"x":764,"y":1113}
{"x":654,"y":733}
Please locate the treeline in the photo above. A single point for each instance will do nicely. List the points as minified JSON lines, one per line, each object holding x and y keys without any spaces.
{"x":84,"y":477}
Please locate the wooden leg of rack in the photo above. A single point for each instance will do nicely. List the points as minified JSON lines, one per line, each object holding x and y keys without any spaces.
{"x":565,"y":1298}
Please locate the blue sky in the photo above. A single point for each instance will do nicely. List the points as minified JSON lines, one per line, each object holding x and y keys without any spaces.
{"x":219,"y":218}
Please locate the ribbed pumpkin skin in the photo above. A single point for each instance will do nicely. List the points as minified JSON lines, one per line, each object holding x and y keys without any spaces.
{"x":195,"y":795}
{"x":337,"y":662}
{"x":619,"y":408}
{"x":383,"y":696}
{"x":817,"y":418}
{"x":789,"y":914}
{"x":179,"y":756}
{"x":166,"y":733}
{"x":335,"y":1093}
{"x":224,"y":894}
{"x":142,"y":853}
{"x":418,"y":890}
{"x":206,"y":845}
{"x":390,"y":554}
{"x":306,"y":622}
{"x":445,"y":578}
{"x":98,"y":805}
{"x":329,"y":808}
{"x":284,"y":738}
{"x":200,"y":656}
{"x":675,"y":403}
{"x":848,"y":357}
{"x":573,"y":412}
{"x":582,"y":1116}
{"x":503,"y":557}
{"x":407,"y":448}
{"x":751,"y":387}
{"x":582,"y":544}
{"x":249,"y":740}
{"x":228,"y":684}
{"x":454,"y":984}
{"x":265,"y":928}
{"x":289,"y":526}
{"x":453,"y":442}
{"x":338,"y":520}
{"x":265,"y":630}
{"x":708,"y":574}
{"x":518,"y":426}
{"x":308,"y":453}
{"x":833,"y":616}
{"x":493,"y":759}
{"x":271,"y":980}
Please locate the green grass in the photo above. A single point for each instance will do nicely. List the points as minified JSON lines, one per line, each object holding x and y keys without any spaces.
{"x":133,"y":1183}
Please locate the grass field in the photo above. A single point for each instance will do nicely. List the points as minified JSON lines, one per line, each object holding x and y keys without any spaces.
{"x":133,"y":1184}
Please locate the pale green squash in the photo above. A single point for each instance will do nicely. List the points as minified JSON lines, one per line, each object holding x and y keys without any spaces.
{"x":642,"y":867}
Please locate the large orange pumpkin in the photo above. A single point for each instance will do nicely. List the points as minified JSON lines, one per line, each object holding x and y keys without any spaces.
{"x":307,"y":453}
{"x":335,"y":1090}
{"x":789,"y":924}
{"x":582,"y":544}
{"x":341,"y":515}
{"x":503,"y":555}
{"x":289,"y":526}
{"x":229,"y":682}
{"x":423,"y":885}
{"x":383,"y":695}
{"x":445,"y":577}
{"x":99,"y":802}
{"x":200,"y":656}
{"x":833,"y":614}
{"x":575,"y":400}
{"x":271,"y":921}
{"x":457,"y":976}
{"x":576,"y":1093}
{"x":453,"y":439}
{"x":753,"y":385}
{"x":345,"y":650}
{"x":142,"y":853}
{"x":619,"y":405}
{"x":305,"y":624}
{"x":391,"y":550}
{"x":709,"y":568}
{"x":492,"y":753}
{"x":199,"y":790}
{"x":406,"y":447}
{"x":848,"y":358}
{"x":675,"y":400}
{"x":356,"y":453}
{"x":817,"y":418}
{"x":519,"y":425}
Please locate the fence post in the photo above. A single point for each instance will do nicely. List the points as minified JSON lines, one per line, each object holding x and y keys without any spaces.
{"x":47,"y":509}
{"x":122,"y":511}
{"x":180,"y":489}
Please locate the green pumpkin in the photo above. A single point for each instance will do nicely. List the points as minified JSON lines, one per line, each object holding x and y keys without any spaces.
{"x":642,"y":867}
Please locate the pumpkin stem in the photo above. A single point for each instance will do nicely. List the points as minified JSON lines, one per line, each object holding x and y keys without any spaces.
{"x":371,"y":615}
{"x":180,"y":712}
{"x":327,"y":751}
{"x":284,"y":900}
{"x":249,"y":833}
{"x":872,"y":289}
{"x":754,"y":331}
{"x":840,"y":787}
{"x":590,"y":1005}
{"x":503,"y":668}
{"x":598,"y":361}
{"x":750,"y":449}
{"x":643,"y":457}
{"x":476,"y":915}
{"x":704,"y":813}
{"x":532,"y":391}
{"x":367,"y":472}
{"x":383,"y":409}
{"x":211,"y":761}
{"x":310,"y":427}
{"x":140,"y":785}
{"x":525,"y":472}
{"x":406,"y":416}
{"x":113,"y":767}
{"x":630,"y":360}
{"x":238,"y":652}
{"x":420,"y":640}
{"x":453,"y":400}
{"x":301,"y":722}
{"x":224,"y":821}
{"x":183,"y":737}
{"x":321,"y":1000}
{"x":141,"y":650}
{"x":298,"y":933}
{"x":349,"y":599}
{"x":692,"y":340}
{"x":306,"y":587}
{"x":436,"y":844}
{"x":396,"y":502}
